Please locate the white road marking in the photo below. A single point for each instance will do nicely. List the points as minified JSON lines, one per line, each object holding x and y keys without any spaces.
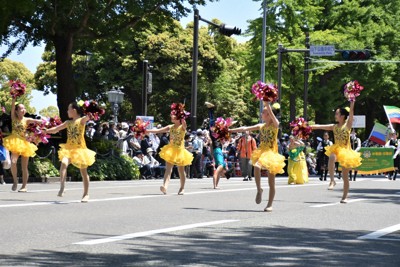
{"x":382,"y":232}
{"x":45,"y":203}
{"x":151,"y":232}
{"x":337,"y":203}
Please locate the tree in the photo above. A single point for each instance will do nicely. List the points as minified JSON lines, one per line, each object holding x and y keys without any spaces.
{"x":49,"y":112}
{"x":69,"y":26}
{"x":11,"y":70}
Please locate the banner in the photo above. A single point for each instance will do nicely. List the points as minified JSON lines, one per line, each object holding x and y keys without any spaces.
{"x":147,"y":118}
{"x":376,"y":160}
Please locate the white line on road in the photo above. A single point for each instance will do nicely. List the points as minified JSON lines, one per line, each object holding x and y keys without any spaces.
{"x":45,"y":203}
{"x":337,"y":203}
{"x":151,"y":232}
{"x":382,"y":232}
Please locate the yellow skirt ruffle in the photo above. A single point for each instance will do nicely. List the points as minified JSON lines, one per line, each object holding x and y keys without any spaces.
{"x":79,"y":157}
{"x":346,"y":157}
{"x":297,"y":170}
{"x":269,"y":160}
{"x":178,"y":156}
{"x":17,"y":145}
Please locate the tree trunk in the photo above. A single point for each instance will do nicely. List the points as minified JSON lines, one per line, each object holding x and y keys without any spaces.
{"x":66,"y":90}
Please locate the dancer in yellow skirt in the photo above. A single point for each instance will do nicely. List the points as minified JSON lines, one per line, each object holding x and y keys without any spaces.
{"x":75,"y":151}
{"x":266,"y":156}
{"x":341,"y":151}
{"x":297,"y":165}
{"x":17,"y":144}
{"x":175,"y":153}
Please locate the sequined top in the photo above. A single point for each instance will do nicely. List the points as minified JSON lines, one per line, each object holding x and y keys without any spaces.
{"x":177,"y":136}
{"x":268,"y":137}
{"x":19,"y":127}
{"x":342,"y":135}
{"x":76,"y":133}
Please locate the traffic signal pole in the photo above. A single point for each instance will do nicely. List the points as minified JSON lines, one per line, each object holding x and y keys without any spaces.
{"x":144,"y":87}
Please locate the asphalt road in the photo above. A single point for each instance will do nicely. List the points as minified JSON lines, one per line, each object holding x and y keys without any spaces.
{"x":130,"y":223}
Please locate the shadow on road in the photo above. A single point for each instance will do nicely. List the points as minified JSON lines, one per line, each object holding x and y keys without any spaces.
{"x":228,"y":246}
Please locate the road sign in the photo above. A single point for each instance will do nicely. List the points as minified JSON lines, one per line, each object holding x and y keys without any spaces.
{"x":322,"y":50}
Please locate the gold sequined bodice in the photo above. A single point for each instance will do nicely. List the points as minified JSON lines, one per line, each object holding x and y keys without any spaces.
{"x":268,"y":137}
{"x":342,"y":135}
{"x":177,"y":136}
{"x":76,"y":133}
{"x":19,"y":127}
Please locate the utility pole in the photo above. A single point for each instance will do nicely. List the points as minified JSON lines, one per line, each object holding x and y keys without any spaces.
{"x":144,"y":87}
{"x":306,"y":64}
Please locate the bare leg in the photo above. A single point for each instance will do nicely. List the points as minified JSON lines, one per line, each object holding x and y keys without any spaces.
{"x":25,"y":174}
{"x":257,"y":176}
{"x":14,"y":171}
{"x":167,"y":177}
{"x":271,"y":196}
{"x":346,"y":185}
{"x":331,"y":167}
{"x":182,"y":178}
{"x":86,"y":180}
{"x":217,"y":175}
{"x":63,"y":174}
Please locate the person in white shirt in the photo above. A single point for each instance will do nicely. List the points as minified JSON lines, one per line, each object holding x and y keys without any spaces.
{"x":395,"y":145}
{"x":322,"y":158}
{"x":356,"y":146}
{"x":154,"y":164}
{"x":143,"y":164}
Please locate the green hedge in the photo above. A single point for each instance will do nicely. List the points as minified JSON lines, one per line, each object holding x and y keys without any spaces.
{"x":112,"y":168}
{"x":41,"y":168}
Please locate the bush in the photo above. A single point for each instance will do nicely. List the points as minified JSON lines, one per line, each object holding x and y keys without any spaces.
{"x":112,"y":168}
{"x":42,"y":168}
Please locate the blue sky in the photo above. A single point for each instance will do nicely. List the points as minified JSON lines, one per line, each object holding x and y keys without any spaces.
{"x":231,"y":12}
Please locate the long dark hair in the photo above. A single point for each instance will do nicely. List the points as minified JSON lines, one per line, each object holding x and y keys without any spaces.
{"x":78,"y":108}
{"x":344,"y":112}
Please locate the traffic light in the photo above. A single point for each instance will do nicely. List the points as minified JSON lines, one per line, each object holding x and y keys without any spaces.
{"x":229,"y":30}
{"x":356,"y":55}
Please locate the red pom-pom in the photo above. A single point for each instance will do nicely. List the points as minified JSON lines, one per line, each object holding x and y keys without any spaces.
{"x":300,"y":128}
{"x":17,"y":88}
{"x":352,"y":90}
{"x":221,"y":129}
{"x":178,"y":110}
{"x":139,"y":128}
{"x":265,"y":92}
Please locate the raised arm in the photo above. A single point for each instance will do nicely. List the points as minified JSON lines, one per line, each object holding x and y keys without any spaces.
{"x":350,"y":119}
{"x":244,"y":128}
{"x":12,"y":111}
{"x":161,"y":130}
{"x":184,"y":125}
{"x":326,"y":127}
{"x":275,"y":121}
{"x":85,"y":119}
{"x":57,"y":128}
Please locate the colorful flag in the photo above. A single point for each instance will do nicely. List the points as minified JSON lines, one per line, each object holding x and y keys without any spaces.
{"x":379,"y":134}
{"x":393,"y":113}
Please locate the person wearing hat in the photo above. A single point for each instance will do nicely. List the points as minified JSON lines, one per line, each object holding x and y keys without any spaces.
{"x":144,"y":164}
{"x":154,"y":164}
{"x":90,"y":129}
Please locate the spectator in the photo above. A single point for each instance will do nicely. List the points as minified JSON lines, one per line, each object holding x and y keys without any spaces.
{"x":112,"y":132}
{"x":145,"y":144}
{"x":246,"y":146}
{"x":144,"y":165}
{"x":90,"y":131}
{"x":197,"y":154}
{"x":122,"y":143}
{"x":154,"y":164}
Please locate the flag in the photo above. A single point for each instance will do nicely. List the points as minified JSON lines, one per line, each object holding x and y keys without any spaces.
{"x":379,"y":134}
{"x":393,"y":113}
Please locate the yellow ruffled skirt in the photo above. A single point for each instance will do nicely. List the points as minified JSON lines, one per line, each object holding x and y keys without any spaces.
{"x":269,"y":160}
{"x":17,"y":145}
{"x":346,"y":157}
{"x":79,"y":157}
{"x":297,"y":170}
{"x":175,"y":155}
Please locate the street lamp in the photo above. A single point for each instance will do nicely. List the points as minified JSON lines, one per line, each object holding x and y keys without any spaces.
{"x":115,"y":97}
{"x":223,"y":29}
